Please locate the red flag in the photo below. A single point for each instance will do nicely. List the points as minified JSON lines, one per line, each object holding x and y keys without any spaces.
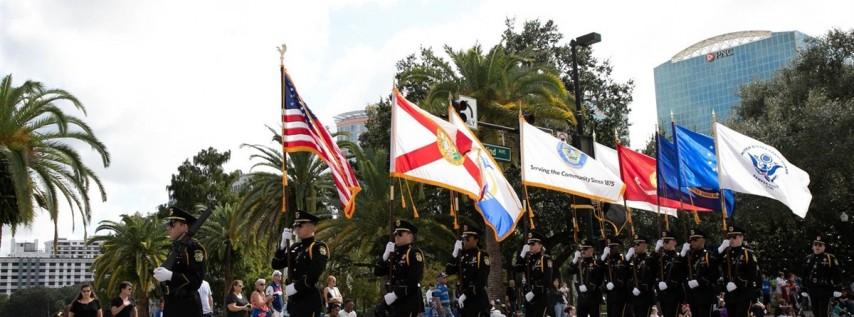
{"x":638,"y":172}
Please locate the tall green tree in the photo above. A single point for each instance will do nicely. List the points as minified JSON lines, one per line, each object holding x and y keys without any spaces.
{"x":38,"y":166}
{"x":130,"y":251}
{"x":203,"y":177}
{"x":807,"y":112}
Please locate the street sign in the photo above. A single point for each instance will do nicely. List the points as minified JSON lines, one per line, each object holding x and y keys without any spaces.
{"x":470,"y":112}
{"x":499,"y":153}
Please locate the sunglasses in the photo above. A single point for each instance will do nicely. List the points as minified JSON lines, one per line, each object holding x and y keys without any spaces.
{"x":398,"y":234}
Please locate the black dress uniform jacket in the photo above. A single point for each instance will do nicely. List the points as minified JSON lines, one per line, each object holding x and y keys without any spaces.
{"x":740,"y":267}
{"x":473,"y":268}
{"x":642,"y":268}
{"x":617,"y":272}
{"x":308,"y":258}
{"x":702,"y":267}
{"x":672,"y":271}
{"x":591,"y":273}
{"x":406,"y":268}
{"x":181,"y":297}
{"x":822,"y":275}
{"x":537,"y":277}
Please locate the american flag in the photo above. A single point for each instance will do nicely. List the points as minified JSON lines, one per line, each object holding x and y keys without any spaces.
{"x":303,"y":132}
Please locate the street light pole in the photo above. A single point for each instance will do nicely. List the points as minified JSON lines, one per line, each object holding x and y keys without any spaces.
{"x":584,"y":40}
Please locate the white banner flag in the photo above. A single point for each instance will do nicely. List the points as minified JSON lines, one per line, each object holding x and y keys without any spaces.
{"x":608,"y":157}
{"x":550,"y":163}
{"x":749,"y":166}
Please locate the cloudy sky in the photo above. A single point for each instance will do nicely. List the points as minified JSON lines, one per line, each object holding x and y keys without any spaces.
{"x":163,"y":79}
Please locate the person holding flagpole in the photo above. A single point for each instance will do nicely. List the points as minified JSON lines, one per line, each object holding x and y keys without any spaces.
{"x":591,"y":273}
{"x":822,"y":277}
{"x":642,"y":277}
{"x":536,"y":267}
{"x":671,"y":273}
{"x":404,"y":264}
{"x":703,"y":273}
{"x":472,"y":265}
{"x":740,"y":272}
{"x":307,"y":262}
{"x":616,"y":279}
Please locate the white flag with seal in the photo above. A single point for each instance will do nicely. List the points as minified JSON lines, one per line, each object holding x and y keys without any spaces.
{"x":548,"y":162}
{"x":752,"y":167}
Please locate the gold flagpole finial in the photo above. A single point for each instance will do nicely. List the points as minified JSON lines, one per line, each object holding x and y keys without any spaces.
{"x":282,"y":49}
{"x":672,"y":118}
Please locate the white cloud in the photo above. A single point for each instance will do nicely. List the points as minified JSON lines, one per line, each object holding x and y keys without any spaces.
{"x":164,"y":79}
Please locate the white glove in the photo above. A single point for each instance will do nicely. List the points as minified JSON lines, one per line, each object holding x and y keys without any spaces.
{"x":161,"y":274}
{"x":724,"y":245}
{"x":662,"y":286}
{"x":804,"y":294}
{"x":529,"y":296}
{"x":605,"y":253}
{"x":685,"y":247}
{"x":389,"y":248}
{"x":576,"y":256}
{"x":636,"y":291}
{"x":582,"y":288}
{"x":730,"y":287}
{"x":290,"y":289}
{"x":461,"y":300}
{"x":390,"y":297}
{"x":457,"y":247}
{"x":693,"y":284}
{"x":287,"y":235}
{"x":837,"y":294}
{"x":630,"y":254}
{"x":659,"y":244}
{"x":609,"y":286}
{"x":525,"y":250}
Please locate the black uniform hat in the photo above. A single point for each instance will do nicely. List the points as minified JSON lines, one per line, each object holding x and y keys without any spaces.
{"x":696,"y":234}
{"x":638,"y":239}
{"x":613,"y":241}
{"x":404,"y":226}
{"x":667,"y":235}
{"x":304,"y":217}
{"x":734,"y":230}
{"x":820,"y":239}
{"x":585,"y":243}
{"x":536,"y":237}
{"x":179,"y":214}
{"x":471,"y":231}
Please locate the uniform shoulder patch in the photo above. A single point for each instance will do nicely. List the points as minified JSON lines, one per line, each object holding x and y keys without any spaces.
{"x":323,"y":249}
{"x":418,"y":256}
{"x":199,"y":255}
{"x":486,"y":259}
{"x":549,"y":263}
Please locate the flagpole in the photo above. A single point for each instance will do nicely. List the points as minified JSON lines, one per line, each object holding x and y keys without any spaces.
{"x":681,"y":199}
{"x":631,"y":222}
{"x":657,"y":176}
{"x":282,"y":49}
{"x":721,"y":195}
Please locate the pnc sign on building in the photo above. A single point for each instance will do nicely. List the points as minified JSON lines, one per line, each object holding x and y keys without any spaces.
{"x":711,"y":57}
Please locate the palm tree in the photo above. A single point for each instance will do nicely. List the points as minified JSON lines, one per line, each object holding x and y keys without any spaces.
{"x":36,"y":162}
{"x":503,"y":85}
{"x":131,"y":250}
{"x":222,"y":236}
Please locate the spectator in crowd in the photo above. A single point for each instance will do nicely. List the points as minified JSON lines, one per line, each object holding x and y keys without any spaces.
{"x":334,"y":310}
{"x":766,"y":290}
{"x":560,"y":297}
{"x":331,"y":294}
{"x":511,"y":296}
{"x":349,"y":309}
{"x":259,"y":300}
{"x":720,"y":310}
{"x":757,"y":310}
{"x":653,"y":311}
{"x":570,"y":311}
{"x":123,"y":305}
{"x":684,"y":311}
{"x":428,"y":301}
{"x":275,"y":295}
{"x":86,"y":304}
{"x":235,"y":303}
{"x":442,"y":297}
{"x":206,"y":297}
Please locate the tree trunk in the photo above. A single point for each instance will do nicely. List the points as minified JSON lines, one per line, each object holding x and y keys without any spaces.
{"x":496,"y":270}
{"x":229,"y":275}
{"x":142,"y":308}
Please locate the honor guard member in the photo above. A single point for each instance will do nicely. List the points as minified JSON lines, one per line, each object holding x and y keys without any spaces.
{"x":642,"y":278}
{"x":182,"y":281}
{"x":472,"y":264}
{"x":590,"y":278}
{"x":740,"y":272}
{"x":404,"y":263}
{"x":616,"y":279}
{"x":701,"y":288}
{"x":671,"y":275}
{"x":822,"y":277}
{"x":536,"y":267}
{"x":308,"y":261}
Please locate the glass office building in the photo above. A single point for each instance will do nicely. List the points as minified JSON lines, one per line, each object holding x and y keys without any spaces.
{"x":709,"y":74}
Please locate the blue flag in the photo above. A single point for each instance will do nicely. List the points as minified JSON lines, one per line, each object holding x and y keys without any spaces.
{"x":698,"y":166}
{"x":674,"y":185}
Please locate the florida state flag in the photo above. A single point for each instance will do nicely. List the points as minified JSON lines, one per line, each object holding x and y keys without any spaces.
{"x":638,"y":171}
{"x":427,"y":149}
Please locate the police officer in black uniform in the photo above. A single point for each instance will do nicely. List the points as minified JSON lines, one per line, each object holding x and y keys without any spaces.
{"x":642,"y":268}
{"x":182,"y":281}
{"x":822,"y":277}
{"x":472,"y":264}
{"x":616,"y":279}
{"x":404,"y":264}
{"x":308,"y":261}
{"x":701,"y":286}
{"x":671,"y":275}
{"x":536,"y":267}
{"x":590,"y":278}
{"x":740,"y":270}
